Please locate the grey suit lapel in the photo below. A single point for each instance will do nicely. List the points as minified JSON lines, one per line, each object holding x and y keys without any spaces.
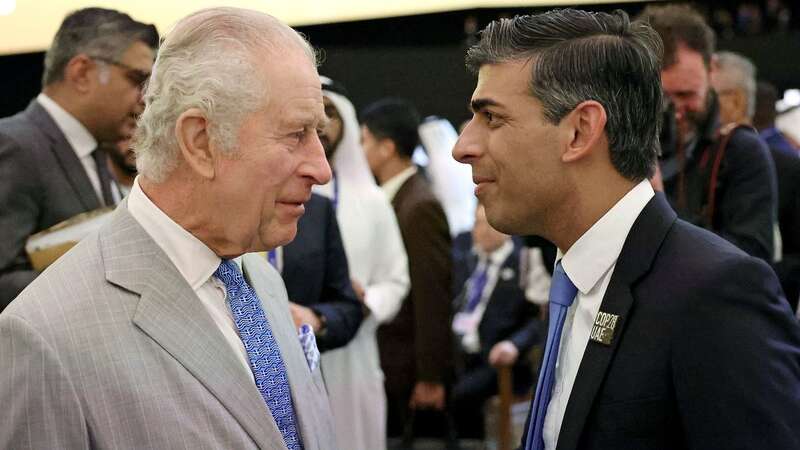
{"x":170,"y":313}
{"x":635,"y":260}
{"x":65,"y":155}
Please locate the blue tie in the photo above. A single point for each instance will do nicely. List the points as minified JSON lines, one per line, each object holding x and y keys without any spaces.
{"x":262,"y":350}
{"x":562,"y":294}
{"x":476,"y":286}
{"x":272,"y":257}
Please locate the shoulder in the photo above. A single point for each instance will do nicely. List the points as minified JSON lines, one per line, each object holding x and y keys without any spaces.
{"x":693,"y":264}
{"x":69,"y":291}
{"x":22,"y":142}
{"x":20,"y":128}
{"x":746,"y":145}
{"x":417,"y":195}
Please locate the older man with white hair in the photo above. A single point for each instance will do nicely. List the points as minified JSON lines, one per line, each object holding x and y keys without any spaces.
{"x":153,"y":332}
{"x":733,"y":77}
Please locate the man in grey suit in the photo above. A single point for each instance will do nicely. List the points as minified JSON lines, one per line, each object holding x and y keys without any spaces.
{"x":153,"y":333}
{"x":49,"y":162}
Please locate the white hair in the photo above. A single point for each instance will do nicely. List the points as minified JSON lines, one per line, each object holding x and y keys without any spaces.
{"x":211,"y":60}
{"x":740,"y":72}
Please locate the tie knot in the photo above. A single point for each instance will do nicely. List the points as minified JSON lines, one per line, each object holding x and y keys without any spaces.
{"x":228,"y":272}
{"x":562,"y":290}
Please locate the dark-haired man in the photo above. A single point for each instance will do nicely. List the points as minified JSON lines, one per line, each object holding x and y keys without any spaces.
{"x":721,"y":176}
{"x":414,"y":347}
{"x":49,"y":163}
{"x":661,"y":335}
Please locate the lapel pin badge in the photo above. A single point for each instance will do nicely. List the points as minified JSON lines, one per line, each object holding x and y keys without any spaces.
{"x":603,"y":329}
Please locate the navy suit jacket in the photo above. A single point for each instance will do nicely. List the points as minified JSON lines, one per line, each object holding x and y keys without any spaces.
{"x":705,"y":355}
{"x":316,"y":274}
{"x":787,"y":166}
{"x":508,"y":315}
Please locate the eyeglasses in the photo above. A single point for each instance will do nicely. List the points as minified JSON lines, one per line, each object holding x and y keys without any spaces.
{"x":136,"y":76}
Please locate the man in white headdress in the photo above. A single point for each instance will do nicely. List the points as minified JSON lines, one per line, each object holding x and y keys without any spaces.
{"x":379,"y":269}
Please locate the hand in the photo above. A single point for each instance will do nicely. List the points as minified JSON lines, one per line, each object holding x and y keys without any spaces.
{"x":504,"y":353}
{"x":359,"y":289}
{"x":427,"y":395}
{"x":301,"y":315}
{"x":656,"y":181}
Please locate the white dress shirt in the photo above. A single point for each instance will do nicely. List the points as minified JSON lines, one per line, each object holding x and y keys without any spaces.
{"x":392,"y":185}
{"x":195,"y":262}
{"x":589,"y":264}
{"x":470,"y":340}
{"x":78,"y":137}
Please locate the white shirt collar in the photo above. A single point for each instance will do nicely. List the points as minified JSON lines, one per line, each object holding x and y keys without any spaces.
{"x":193,"y":259}
{"x":392,"y":185}
{"x":498,"y":256}
{"x":81,"y":140}
{"x":598,"y":249}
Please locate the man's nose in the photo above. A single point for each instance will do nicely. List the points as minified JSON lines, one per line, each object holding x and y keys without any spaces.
{"x":468,"y":147}
{"x":317,"y":167}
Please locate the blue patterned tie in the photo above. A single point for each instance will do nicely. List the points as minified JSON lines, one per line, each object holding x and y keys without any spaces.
{"x":262,"y":350}
{"x":562,"y":294}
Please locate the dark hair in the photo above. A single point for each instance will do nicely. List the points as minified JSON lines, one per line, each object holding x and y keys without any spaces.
{"x":680,"y":24}
{"x":395,"y":119}
{"x":578,"y":56}
{"x":97,"y":32}
{"x":766,"y":97}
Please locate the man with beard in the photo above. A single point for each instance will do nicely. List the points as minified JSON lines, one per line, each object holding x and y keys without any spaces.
{"x":720,"y":176}
{"x":379,"y":271}
{"x":49,"y":162}
{"x":122,"y":164}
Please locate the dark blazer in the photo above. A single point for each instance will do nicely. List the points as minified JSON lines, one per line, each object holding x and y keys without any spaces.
{"x":787,"y":166}
{"x":415,"y":346}
{"x":508,"y":316}
{"x":746,"y":193}
{"x":706,"y":353}
{"x":316,"y":274}
{"x":43,"y":183}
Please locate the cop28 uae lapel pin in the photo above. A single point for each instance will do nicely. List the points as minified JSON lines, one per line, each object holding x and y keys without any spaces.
{"x":603,"y":329}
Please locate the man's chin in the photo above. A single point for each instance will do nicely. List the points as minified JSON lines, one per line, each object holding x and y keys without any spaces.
{"x":281,"y":237}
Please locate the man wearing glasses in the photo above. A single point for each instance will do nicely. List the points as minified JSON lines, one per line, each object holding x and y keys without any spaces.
{"x":49,"y":164}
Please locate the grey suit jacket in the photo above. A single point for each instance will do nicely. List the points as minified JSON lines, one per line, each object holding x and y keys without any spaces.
{"x":42,"y":183}
{"x":110,"y":348}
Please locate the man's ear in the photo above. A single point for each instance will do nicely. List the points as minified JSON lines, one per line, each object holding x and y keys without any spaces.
{"x":586,"y":124}
{"x":191,"y":132}
{"x":387,"y":148}
{"x":81,"y":72}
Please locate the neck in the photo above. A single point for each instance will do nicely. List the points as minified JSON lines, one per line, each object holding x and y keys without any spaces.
{"x":586,"y":205}
{"x":185,"y":200}
{"x":392,"y":168}
{"x":69,"y":101}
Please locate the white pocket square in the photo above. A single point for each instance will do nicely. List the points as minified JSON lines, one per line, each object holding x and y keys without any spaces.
{"x":309,"y":343}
